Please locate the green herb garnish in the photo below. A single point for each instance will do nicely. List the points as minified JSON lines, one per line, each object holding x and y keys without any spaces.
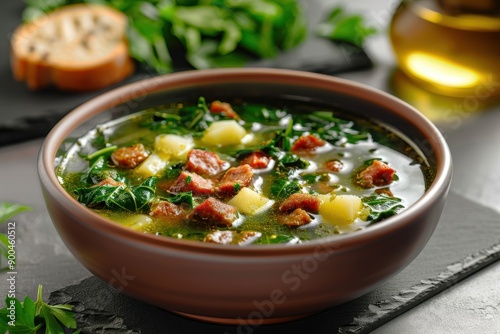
{"x":283,"y":188}
{"x":121,"y":197}
{"x":100,"y":170}
{"x":292,"y":160}
{"x":279,"y":239}
{"x":103,"y":152}
{"x":178,"y":198}
{"x":173,"y":171}
{"x":187,"y":120}
{"x":382,"y":206}
{"x":29,"y":317}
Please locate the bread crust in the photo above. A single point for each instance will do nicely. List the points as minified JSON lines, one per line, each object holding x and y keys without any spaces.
{"x":78,"y":47}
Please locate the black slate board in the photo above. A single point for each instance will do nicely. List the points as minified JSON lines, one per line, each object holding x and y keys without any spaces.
{"x":445,"y":261}
{"x":27,"y":115}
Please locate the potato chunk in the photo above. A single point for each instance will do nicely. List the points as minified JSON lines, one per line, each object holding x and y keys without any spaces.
{"x":152,"y":166}
{"x":250,"y":202}
{"x":173,"y":146}
{"x":340,"y":209}
{"x":224,"y":133}
{"x":137,"y":221}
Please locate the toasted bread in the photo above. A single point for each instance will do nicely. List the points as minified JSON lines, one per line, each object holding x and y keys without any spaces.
{"x":74,"y":48}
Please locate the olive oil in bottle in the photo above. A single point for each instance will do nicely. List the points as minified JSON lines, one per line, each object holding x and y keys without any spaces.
{"x":450,"y":47}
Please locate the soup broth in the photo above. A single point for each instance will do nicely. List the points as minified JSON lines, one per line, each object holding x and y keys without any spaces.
{"x":240,"y":172}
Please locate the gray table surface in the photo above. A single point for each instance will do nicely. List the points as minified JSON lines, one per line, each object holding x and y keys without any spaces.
{"x":470,"y":306}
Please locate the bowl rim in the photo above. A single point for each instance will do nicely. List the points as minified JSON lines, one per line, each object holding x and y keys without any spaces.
{"x":337,"y":243}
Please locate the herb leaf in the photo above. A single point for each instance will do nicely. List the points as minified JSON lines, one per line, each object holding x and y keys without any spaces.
{"x":29,"y":311}
{"x":9,"y":210}
{"x":292,"y":160}
{"x":190,"y":119}
{"x":178,"y":198}
{"x":279,"y":239}
{"x":102,"y":153}
{"x":134,"y":198}
{"x":334,"y":130}
{"x":173,"y":171}
{"x":283,"y":188}
{"x":99,"y":170}
{"x":262,"y":114}
{"x":96,"y":196}
{"x":4,"y":245}
{"x":382,"y":206}
{"x":24,"y":320}
{"x":63,"y":315}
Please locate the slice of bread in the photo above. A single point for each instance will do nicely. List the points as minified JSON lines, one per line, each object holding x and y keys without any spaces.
{"x":74,"y":48}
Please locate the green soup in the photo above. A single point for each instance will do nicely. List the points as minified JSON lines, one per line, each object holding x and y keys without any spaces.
{"x":239,"y":172}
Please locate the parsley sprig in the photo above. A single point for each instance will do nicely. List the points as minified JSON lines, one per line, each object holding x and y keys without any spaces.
{"x":29,"y":317}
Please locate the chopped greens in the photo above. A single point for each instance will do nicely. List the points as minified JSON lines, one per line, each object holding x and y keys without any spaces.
{"x":283,"y":188}
{"x":293,"y":160}
{"x":192,"y":119}
{"x":99,"y":171}
{"x":280,"y":239}
{"x":263,"y":114}
{"x":382,"y":206}
{"x":122,"y":197}
{"x":183,"y":197}
{"x":173,"y":171}
{"x":334,"y":130}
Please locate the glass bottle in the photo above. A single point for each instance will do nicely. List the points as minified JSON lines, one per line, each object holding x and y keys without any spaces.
{"x":450,"y":47}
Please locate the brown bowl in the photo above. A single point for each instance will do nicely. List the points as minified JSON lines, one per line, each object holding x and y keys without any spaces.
{"x":253,"y":284}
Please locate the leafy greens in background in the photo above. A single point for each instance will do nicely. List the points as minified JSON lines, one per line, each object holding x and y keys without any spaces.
{"x":215,"y":33}
{"x":31,"y":317}
{"x":208,"y":33}
{"x":344,"y":27}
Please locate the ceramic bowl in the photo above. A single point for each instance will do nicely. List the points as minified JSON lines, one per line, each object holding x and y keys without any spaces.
{"x":255,"y":284}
